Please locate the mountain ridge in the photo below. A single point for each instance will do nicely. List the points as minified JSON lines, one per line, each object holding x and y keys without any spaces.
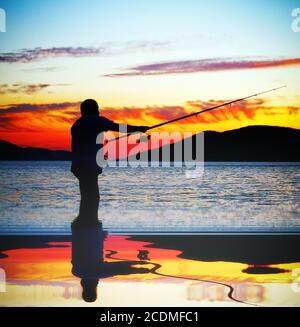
{"x":250,"y":143}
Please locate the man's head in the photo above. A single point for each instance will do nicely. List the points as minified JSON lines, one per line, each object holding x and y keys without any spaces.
{"x":89,"y":289}
{"x":89,"y":107}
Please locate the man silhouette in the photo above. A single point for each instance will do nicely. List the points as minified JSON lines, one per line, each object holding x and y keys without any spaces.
{"x":88,"y":263}
{"x":84,"y":149}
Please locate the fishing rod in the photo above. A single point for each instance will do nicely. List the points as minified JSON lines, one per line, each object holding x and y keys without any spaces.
{"x":200,"y":112}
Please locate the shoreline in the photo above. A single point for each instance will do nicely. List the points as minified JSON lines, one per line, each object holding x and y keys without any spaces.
{"x":155,"y":233}
{"x":264,"y":249}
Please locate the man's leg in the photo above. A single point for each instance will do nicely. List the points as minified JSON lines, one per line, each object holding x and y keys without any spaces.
{"x":89,"y":192}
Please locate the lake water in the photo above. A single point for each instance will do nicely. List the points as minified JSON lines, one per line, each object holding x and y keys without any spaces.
{"x":43,"y":197}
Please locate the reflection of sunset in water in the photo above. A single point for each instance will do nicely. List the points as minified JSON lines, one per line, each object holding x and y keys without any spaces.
{"x":42,"y":276}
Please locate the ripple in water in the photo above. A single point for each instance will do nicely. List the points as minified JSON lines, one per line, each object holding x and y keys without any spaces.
{"x":43,"y":197}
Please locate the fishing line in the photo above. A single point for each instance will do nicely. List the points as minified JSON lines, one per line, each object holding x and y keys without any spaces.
{"x":157,"y":266}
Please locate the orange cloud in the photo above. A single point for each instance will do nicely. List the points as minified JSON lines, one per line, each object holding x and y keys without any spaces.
{"x":48,"y":125}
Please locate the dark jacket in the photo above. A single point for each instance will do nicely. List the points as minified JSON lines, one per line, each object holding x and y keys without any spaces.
{"x":84,"y":148}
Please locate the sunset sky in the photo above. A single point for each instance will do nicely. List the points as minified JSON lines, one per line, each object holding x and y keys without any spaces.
{"x":145,"y":62}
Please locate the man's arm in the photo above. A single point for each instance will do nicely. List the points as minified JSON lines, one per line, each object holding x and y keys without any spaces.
{"x":112,"y":126}
{"x":142,"y":129}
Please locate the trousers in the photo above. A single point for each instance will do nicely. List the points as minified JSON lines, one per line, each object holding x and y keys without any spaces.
{"x":89,"y":195}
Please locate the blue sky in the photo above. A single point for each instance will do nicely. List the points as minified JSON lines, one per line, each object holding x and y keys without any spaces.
{"x":259,"y":27}
{"x":132,"y":33}
{"x":143,"y":61}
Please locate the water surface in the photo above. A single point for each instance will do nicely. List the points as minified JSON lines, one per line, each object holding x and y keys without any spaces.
{"x":43,"y":197}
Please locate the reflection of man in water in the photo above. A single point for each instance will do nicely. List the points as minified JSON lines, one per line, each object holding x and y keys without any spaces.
{"x":84,"y":149}
{"x":88,"y":260}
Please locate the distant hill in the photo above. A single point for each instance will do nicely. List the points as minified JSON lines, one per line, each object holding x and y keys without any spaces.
{"x":10,"y":151}
{"x":252,"y":143}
